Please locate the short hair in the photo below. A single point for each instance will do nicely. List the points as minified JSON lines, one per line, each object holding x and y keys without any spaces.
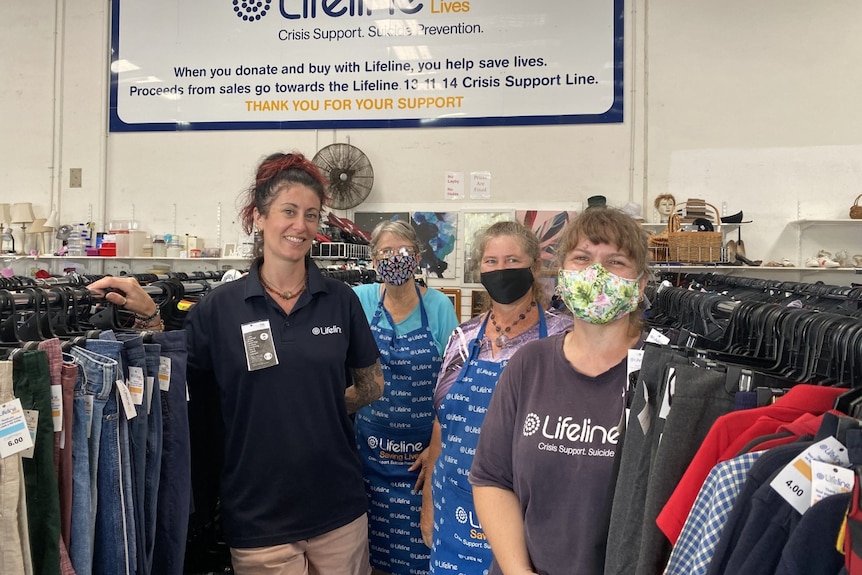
{"x":398,"y":228}
{"x":609,"y":226}
{"x":658,"y":199}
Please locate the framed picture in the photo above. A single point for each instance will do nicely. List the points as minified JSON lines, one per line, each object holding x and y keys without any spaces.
{"x":473,"y":222}
{"x":547,"y":225}
{"x":437,"y":234}
{"x":477,"y":302}
{"x":454,"y":295}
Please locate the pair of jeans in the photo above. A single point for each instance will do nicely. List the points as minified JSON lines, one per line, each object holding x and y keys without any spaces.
{"x":109,"y":550}
{"x":68,"y":381}
{"x":32,"y":385}
{"x":114,"y":543}
{"x":154,"y":451}
{"x":12,"y":551}
{"x":135,"y":373}
{"x":174,"y":505}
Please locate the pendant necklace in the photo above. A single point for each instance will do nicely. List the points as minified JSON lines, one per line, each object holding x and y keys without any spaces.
{"x":287,"y":294}
{"x":503,"y":338}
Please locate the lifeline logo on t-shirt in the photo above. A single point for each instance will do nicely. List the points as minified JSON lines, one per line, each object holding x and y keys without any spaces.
{"x":568,"y":430}
{"x":326,"y":330}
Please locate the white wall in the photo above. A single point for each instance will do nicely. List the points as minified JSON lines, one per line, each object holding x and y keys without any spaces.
{"x":750,"y":105}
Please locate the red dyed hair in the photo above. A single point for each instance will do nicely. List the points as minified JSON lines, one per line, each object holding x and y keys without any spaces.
{"x":275,"y":173}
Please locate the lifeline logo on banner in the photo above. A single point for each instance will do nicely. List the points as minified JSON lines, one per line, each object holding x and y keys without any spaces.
{"x":233,"y":64}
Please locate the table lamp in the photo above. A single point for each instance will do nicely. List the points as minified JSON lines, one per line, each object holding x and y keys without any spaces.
{"x":37,"y":232}
{"x":51,"y":224}
{"x":22,"y":213}
{"x":7,"y":241}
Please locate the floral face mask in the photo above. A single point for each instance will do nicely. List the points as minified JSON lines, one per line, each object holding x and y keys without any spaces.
{"x":597,"y":296}
{"x":397,"y":270}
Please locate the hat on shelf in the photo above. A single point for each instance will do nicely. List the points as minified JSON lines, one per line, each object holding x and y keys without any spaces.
{"x":634,"y":210}
{"x":597,"y":202}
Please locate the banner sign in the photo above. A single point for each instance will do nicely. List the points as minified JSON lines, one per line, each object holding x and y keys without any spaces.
{"x":308,"y":64}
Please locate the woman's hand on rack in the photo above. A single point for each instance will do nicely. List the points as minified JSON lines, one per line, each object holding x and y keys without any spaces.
{"x":128,"y":294}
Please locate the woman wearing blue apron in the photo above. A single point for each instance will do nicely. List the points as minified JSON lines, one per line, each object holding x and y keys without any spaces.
{"x":509,"y":257}
{"x":410,"y":325}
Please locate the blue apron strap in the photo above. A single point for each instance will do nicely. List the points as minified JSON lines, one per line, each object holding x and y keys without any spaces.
{"x":475,"y":346}
{"x":543,"y":327}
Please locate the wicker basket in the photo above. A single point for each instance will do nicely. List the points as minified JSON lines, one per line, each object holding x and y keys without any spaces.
{"x":691,"y":247}
{"x":856,"y":209}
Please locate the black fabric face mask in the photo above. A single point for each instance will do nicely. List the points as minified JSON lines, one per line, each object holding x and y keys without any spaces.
{"x":508,"y":285}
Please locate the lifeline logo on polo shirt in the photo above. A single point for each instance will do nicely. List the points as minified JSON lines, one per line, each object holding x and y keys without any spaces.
{"x":329,"y":330}
{"x":566,"y":431}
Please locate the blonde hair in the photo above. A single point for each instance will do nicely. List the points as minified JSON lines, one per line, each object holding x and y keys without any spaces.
{"x":529,"y":243}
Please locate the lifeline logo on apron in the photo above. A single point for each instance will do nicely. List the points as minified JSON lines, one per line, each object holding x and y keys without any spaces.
{"x":390,"y":435}
{"x":460,"y":546}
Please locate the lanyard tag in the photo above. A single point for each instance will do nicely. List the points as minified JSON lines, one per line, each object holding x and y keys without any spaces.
{"x":793,"y":482}
{"x":164,"y":373}
{"x":136,"y":384}
{"x":259,"y":349}
{"x":14,"y":435}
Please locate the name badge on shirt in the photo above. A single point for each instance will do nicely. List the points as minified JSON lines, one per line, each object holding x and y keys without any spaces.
{"x":259,"y":348}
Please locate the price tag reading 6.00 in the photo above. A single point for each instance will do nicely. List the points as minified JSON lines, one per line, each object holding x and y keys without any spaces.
{"x":14,"y":435}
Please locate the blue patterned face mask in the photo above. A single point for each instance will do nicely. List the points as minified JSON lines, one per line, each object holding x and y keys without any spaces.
{"x":397,"y":270}
{"x":597,"y":296}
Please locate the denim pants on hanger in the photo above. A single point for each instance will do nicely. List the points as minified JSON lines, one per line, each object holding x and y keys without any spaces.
{"x":83,"y":510}
{"x":154,"y":451}
{"x":134,"y":367}
{"x":113,"y":540}
{"x":12,"y":551}
{"x":174,"y":506}
{"x":32,"y":385}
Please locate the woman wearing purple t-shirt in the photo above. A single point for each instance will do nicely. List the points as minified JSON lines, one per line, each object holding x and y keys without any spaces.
{"x":508,"y":256}
{"x":543,"y":465}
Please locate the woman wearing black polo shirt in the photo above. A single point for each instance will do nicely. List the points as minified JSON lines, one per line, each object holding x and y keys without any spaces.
{"x":289,"y":355}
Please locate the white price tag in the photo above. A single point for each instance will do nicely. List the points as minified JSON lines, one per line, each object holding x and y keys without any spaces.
{"x":14,"y":435}
{"x":31,"y":416}
{"x":828,"y":479}
{"x":793,"y":482}
{"x":136,"y":384}
{"x":669,"y":390}
{"x":151,"y":381}
{"x":126,"y":399}
{"x":57,"y":407}
{"x":88,"y":413}
{"x":164,"y":373}
{"x":657,"y":337}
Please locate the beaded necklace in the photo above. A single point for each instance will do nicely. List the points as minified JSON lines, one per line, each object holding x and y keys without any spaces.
{"x":287,"y":294}
{"x":503,"y":338}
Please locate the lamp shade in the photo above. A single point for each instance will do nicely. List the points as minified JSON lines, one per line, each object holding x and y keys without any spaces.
{"x":5,"y":216}
{"x":22,"y":213}
{"x":38,"y":226}
{"x":51,"y":222}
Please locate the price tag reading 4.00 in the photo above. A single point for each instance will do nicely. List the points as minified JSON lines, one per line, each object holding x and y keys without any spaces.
{"x":793,"y":482}
{"x":14,"y":435}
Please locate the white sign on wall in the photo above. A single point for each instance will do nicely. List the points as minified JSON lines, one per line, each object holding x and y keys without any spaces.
{"x":281,"y":64}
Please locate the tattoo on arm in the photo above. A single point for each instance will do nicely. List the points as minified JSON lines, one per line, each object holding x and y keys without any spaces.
{"x":367,"y":387}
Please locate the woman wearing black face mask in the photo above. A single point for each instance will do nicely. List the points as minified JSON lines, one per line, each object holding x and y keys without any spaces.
{"x":477,"y":352}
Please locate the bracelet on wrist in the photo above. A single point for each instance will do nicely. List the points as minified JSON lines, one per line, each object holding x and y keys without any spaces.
{"x":147,"y":326}
{"x":148,"y":318}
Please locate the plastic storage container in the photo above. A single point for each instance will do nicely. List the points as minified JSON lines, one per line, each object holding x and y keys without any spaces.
{"x":75,"y":244}
{"x":159,"y":247}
